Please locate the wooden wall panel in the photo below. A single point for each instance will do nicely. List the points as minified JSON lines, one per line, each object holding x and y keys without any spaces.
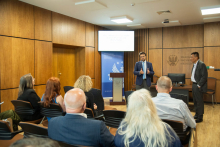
{"x":130,"y":58}
{"x":155,"y":57}
{"x":97,"y":68}
{"x":93,"y":81}
{"x":17,"y":19}
{"x":90,"y":62}
{"x":40,"y":90}
{"x":212,"y":58}
{"x":17,"y":59}
{"x":155,"y":38}
{"x":65,"y":64}
{"x":67,"y":30}
{"x":90,"y":34}
{"x":212,"y":34}
{"x":183,"y":36}
{"x":42,"y":24}
{"x":6,"y":97}
{"x":43,"y":61}
{"x":80,"y":62}
{"x":178,"y":60}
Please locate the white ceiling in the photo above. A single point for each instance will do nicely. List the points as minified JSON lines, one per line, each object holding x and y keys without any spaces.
{"x":143,"y":12}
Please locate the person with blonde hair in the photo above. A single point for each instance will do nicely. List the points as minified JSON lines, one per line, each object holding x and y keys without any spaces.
{"x":85,"y":83}
{"x":170,"y":108}
{"x":142,"y":127}
{"x":27,"y":93}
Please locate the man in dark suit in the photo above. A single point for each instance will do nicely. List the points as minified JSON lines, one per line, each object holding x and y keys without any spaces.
{"x":74,"y":128}
{"x":143,"y":70}
{"x":199,"y":79}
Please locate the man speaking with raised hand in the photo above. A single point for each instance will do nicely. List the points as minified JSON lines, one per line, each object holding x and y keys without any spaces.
{"x":143,"y":70}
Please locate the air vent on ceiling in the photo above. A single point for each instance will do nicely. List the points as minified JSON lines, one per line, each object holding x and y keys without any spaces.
{"x":164,"y":12}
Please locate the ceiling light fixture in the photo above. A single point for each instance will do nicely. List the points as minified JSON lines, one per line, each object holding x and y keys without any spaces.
{"x":134,"y":25}
{"x":121,"y":19}
{"x":210,"y":10}
{"x":211,"y":19}
{"x":84,"y":2}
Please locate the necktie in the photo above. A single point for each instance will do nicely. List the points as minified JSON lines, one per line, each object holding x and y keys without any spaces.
{"x":144,"y":75}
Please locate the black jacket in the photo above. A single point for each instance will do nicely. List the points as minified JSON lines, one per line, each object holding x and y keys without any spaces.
{"x":30,"y":95}
{"x":201,"y":76}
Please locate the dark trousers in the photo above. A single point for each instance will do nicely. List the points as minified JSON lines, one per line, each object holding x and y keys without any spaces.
{"x":198,"y":100}
{"x":143,"y":85}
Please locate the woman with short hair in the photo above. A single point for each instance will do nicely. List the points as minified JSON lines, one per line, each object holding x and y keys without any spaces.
{"x":142,"y":127}
{"x":27,"y":93}
{"x":52,"y":94}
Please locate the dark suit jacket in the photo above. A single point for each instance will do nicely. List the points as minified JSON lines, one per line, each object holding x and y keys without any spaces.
{"x":139,"y":78}
{"x":89,"y":100}
{"x":201,"y":76}
{"x":77,"y":130}
{"x":98,"y":99}
{"x":30,"y":95}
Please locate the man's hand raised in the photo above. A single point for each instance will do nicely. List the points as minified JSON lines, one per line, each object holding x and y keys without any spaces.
{"x":141,"y":71}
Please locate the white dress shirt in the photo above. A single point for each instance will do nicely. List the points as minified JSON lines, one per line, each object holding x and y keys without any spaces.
{"x":82,"y":114}
{"x":173,"y":109}
{"x":193,"y":72}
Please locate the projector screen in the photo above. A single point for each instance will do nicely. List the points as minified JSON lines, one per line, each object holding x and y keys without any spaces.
{"x":116,"y":41}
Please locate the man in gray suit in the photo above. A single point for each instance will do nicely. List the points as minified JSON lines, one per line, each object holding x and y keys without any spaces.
{"x":199,"y":79}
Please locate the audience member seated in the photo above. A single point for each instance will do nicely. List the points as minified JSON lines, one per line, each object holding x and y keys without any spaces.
{"x":74,"y":128}
{"x":85,"y":83}
{"x":10,"y":114}
{"x":142,"y":126}
{"x":26,"y":93}
{"x":52,"y":94}
{"x":35,"y":142}
{"x":170,"y":108}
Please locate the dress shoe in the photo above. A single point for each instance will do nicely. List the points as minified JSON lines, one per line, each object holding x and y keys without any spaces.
{"x":199,"y":120}
{"x":195,"y":117}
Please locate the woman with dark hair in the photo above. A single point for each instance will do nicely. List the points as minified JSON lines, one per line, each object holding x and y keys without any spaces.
{"x":26,"y":93}
{"x":52,"y":94}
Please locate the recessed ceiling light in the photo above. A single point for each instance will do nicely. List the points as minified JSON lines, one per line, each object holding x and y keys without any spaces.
{"x":134,"y":25}
{"x":210,"y":10}
{"x":121,"y":19}
{"x":84,"y":2}
{"x":211,"y":19}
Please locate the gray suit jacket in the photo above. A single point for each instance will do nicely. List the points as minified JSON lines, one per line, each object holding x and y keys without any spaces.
{"x":201,"y":76}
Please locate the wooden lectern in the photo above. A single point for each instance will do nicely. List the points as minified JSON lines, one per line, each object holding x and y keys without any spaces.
{"x":117,"y":79}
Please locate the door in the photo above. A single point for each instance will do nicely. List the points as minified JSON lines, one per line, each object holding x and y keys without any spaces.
{"x":64,"y":66}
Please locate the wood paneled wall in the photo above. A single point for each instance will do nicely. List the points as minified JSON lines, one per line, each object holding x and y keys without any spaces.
{"x":29,"y":37}
{"x":212,"y":52}
{"x":130,"y":58}
{"x":170,"y":49}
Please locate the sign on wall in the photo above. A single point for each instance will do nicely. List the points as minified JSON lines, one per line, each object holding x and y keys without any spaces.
{"x":178,"y":60}
{"x":112,"y":62}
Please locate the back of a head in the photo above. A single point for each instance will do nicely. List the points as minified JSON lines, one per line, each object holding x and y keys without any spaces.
{"x":52,"y":90}
{"x":164,"y":83}
{"x":26,"y":82}
{"x":35,"y":142}
{"x":142,"y":121}
{"x":75,"y":101}
{"x":84,"y":82}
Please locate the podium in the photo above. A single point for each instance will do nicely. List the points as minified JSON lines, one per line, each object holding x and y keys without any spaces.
{"x":117,"y":79}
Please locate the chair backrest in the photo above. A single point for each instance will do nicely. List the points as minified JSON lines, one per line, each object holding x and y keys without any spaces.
{"x":67,"y":88}
{"x":53,"y":110}
{"x":98,"y":99}
{"x":113,"y":118}
{"x":6,"y":132}
{"x":180,"y":97}
{"x":33,"y":130}
{"x":89,"y":113}
{"x":178,"y":128}
{"x":127,"y":93}
{"x":211,"y":83}
{"x":23,"y":107}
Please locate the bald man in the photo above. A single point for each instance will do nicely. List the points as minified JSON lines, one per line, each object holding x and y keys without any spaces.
{"x":170,"y":108}
{"x":74,"y":128}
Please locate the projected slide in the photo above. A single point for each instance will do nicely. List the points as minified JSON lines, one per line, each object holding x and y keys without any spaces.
{"x":116,"y":41}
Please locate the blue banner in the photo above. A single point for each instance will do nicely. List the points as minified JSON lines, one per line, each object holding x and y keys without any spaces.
{"x":112,"y":62}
